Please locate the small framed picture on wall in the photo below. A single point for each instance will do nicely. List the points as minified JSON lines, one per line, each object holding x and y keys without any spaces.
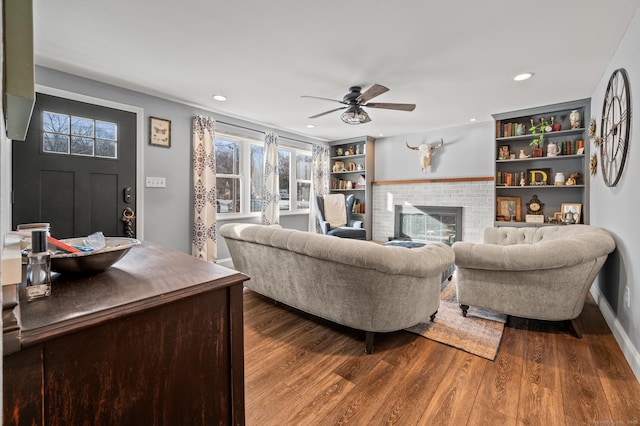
{"x":160,"y":132}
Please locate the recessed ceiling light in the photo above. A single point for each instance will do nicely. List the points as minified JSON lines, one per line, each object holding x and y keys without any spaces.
{"x":219,"y":98}
{"x":311,"y":126}
{"x":380,"y":134}
{"x":472,"y":119}
{"x":523,"y":76}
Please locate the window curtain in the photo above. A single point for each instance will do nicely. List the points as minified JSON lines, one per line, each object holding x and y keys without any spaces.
{"x":319,"y":180}
{"x":204,"y":189}
{"x":270,"y":191}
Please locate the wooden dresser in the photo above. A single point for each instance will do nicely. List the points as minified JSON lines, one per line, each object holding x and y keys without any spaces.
{"x":157,"y":339}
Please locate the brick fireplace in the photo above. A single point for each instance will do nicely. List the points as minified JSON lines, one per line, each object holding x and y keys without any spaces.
{"x":475,"y":198}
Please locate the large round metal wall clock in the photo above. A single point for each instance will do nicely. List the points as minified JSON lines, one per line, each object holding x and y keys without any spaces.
{"x":615,"y":127}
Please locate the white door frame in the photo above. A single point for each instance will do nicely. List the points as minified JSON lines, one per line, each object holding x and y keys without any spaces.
{"x":139,"y":141}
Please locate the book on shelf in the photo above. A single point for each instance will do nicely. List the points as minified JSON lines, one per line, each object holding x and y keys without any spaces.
{"x":509,"y":178}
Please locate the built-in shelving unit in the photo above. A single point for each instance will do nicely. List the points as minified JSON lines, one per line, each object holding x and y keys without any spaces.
{"x":352,"y":171}
{"x":519,"y":179}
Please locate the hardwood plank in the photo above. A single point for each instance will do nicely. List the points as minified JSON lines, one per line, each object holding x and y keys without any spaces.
{"x":541,"y":401}
{"x":481,"y":415}
{"x":406,"y":405}
{"x":582,"y":390}
{"x":451,"y":402}
{"x":500,"y":386}
{"x":621,"y":389}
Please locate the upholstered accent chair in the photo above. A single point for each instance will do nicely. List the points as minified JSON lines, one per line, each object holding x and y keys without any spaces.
{"x":541,"y":273}
{"x":335,"y":217}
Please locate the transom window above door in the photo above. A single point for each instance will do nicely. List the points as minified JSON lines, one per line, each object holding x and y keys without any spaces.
{"x":68,"y":134}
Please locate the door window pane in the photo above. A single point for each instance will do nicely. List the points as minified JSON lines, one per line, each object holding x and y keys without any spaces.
{"x":105,"y":130}
{"x":81,"y":146}
{"x":55,"y":123}
{"x":106,"y":149}
{"x":81,"y":127}
{"x":54,"y":143}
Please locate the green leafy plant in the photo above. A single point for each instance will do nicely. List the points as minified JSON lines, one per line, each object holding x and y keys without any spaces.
{"x":537,"y":131}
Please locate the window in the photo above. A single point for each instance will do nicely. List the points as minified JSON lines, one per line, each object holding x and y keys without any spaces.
{"x":81,"y":136}
{"x":239,"y":158}
{"x":228,"y":176}
{"x":303,"y":180}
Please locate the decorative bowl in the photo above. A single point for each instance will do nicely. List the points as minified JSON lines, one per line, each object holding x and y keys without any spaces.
{"x":86,"y":262}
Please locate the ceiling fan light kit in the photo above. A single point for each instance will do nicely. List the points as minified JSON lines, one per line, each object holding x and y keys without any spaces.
{"x":355,"y":101}
{"x":355,"y":115}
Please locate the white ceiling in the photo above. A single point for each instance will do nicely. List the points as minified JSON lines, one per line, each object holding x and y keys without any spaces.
{"x":454,"y":59}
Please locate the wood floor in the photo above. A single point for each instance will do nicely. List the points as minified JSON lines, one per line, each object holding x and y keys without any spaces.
{"x":301,"y":370}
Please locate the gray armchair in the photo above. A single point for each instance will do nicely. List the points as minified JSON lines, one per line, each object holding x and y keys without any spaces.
{"x":353,"y":229}
{"x":540,"y":273}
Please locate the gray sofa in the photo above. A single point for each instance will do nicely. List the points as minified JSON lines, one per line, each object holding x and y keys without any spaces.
{"x":541,"y":273}
{"x":359,"y":284}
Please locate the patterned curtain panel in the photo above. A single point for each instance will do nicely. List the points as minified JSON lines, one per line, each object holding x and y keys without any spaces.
{"x":319,"y":180}
{"x":204,"y":189}
{"x":270,"y":192}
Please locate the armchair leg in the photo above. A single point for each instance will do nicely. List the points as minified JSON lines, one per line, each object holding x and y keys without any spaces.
{"x":433,"y":316}
{"x":571,"y":328}
{"x":465,"y":309}
{"x":368,"y":342}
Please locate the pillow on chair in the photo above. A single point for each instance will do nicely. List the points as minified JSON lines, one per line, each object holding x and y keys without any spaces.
{"x":335,"y":211}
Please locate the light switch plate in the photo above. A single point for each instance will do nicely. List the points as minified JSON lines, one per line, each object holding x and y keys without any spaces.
{"x":156,"y":182}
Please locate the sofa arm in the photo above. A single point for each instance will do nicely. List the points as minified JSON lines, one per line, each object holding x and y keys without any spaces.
{"x":527,"y":257}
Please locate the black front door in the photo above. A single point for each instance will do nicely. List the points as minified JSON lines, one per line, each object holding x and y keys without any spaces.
{"x":77,"y":168}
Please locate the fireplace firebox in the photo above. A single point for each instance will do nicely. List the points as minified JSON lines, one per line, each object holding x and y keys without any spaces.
{"x":428,"y":223}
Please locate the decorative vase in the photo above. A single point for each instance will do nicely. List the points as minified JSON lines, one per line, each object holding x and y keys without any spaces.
{"x":536,"y":152}
{"x":574,"y":119}
{"x":552,"y":150}
{"x":559,"y":179}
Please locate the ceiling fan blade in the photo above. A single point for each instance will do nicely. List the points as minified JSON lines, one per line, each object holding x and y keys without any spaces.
{"x":327,"y":112}
{"x":372,"y":92}
{"x":324,"y":99}
{"x":399,"y":107}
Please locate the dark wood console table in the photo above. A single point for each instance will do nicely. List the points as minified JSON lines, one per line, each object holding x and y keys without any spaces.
{"x":157,"y":339}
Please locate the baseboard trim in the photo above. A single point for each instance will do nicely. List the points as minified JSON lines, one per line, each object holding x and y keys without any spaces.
{"x":628,"y":350}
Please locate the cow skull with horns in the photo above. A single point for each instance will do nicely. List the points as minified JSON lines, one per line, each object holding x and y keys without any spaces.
{"x":425,"y":153}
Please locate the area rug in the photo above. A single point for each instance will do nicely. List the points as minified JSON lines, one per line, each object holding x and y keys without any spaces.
{"x":478,"y":333}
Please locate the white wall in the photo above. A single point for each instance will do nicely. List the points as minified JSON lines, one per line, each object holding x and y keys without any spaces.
{"x":616,"y":209}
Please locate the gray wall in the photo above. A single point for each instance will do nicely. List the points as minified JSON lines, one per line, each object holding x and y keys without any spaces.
{"x":468,"y":151}
{"x":616,"y":209}
{"x":167,"y":211}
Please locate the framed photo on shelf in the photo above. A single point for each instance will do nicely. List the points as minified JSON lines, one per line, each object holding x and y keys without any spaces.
{"x":508,"y":209}
{"x":572,"y":208}
{"x":159,"y":132}
{"x":503,"y":152}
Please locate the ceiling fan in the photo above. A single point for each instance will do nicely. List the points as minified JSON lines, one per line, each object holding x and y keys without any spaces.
{"x":355,"y":101}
